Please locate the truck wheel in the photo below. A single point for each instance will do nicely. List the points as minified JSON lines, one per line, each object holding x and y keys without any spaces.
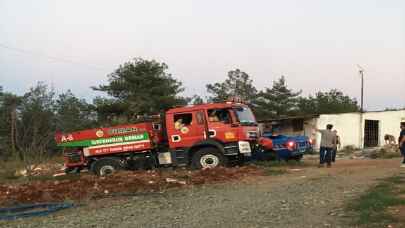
{"x":207,"y":158}
{"x":74,"y":170}
{"x":106,"y":166}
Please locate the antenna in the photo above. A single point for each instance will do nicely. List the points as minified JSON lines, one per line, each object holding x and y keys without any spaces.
{"x":361,"y":72}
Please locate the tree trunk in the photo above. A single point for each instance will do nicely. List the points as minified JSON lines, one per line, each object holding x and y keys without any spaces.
{"x":13,"y":129}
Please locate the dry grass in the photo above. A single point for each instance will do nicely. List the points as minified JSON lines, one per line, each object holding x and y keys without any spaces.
{"x":10,"y":171}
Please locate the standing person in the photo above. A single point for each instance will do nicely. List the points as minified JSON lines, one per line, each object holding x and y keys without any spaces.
{"x":328,"y":141}
{"x":401,"y":142}
{"x":336,"y":146}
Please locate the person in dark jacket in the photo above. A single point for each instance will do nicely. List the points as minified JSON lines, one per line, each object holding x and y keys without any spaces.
{"x":336,"y":146}
{"x":401,"y":143}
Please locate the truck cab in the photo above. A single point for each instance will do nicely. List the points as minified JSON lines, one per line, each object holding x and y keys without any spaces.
{"x":209,"y":135}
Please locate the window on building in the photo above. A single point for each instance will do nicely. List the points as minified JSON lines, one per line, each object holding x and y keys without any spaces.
{"x":371,"y":133}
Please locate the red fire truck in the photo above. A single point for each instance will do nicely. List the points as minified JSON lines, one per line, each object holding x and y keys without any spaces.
{"x":202,"y":136}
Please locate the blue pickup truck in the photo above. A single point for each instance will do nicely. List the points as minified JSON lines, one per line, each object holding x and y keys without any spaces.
{"x":288,"y":147}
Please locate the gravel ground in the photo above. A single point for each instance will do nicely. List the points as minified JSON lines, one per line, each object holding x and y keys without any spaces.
{"x":307,"y":197}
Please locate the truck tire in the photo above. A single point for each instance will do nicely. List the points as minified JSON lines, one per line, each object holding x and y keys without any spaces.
{"x":106,"y":166}
{"x":207,"y":158}
{"x":74,"y":170}
{"x":298,"y":158}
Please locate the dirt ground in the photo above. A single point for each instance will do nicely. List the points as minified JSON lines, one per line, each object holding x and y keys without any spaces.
{"x":87,"y":187}
{"x":305,"y":196}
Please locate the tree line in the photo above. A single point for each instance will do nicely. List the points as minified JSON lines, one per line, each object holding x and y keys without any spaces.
{"x":137,"y":88}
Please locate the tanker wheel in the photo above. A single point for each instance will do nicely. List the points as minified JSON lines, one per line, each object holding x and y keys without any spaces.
{"x":106,"y":166}
{"x":72,"y":170}
{"x":207,"y":158}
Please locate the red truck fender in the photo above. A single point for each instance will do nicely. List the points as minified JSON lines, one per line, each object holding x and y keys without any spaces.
{"x":266,"y":143}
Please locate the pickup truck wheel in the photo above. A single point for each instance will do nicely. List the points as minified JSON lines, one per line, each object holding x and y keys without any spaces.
{"x":106,"y":166}
{"x":207,"y":158}
{"x":298,"y":158}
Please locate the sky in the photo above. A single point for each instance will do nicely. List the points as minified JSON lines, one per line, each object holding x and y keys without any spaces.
{"x":315,"y":44}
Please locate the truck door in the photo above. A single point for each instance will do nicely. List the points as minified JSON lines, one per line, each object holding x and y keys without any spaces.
{"x":219,"y":125}
{"x":186,"y":129}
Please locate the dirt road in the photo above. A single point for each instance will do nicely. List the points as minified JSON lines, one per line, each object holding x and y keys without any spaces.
{"x":305,"y":197}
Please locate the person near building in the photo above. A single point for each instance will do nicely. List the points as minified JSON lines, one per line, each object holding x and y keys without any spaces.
{"x":401,"y":143}
{"x":328,"y":142}
{"x":336,"y":146}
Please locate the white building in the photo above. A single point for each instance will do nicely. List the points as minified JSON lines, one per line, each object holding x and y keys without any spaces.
{"x":355,"y":129}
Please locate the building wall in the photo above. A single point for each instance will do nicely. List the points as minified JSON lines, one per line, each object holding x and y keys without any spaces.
{"x":288,"y":130}
{"x":389,"y":123}
{"x":348,"y":126}
{"x":308,"y":128}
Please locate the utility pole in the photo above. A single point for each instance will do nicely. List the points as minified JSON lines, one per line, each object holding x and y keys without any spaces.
{"x":361,"y":71}
{"x":361,"y":127}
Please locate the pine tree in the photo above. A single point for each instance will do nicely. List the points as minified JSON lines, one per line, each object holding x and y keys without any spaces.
{"x":333,"y":101}
{"x":277,"y":101}
{"x":73,"y":113}
{"x":139,"y":87}
{"x":238,"y":84}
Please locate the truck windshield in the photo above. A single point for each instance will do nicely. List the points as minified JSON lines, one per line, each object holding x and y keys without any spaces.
{"x":245,"y":116}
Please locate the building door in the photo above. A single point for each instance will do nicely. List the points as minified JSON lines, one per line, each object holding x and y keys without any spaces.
{"x":371,"y":133}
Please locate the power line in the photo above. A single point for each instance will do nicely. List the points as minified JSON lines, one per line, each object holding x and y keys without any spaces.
{"x":56,"y":59}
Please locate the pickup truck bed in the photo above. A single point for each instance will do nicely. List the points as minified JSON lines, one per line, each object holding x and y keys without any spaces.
{"x":289,"y":147}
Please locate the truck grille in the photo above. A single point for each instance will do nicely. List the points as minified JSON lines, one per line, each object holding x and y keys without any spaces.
{"x":231,"y":149}
{"x":304,"y":144}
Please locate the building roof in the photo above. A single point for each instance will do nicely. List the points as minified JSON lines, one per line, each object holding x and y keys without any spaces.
{"x":396,"y":110}
{"x":365,"y":112}
{"x":289,"y":118}
{"x":317,"y":115}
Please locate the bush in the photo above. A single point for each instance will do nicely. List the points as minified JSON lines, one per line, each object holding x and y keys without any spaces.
{"x":8,"y":170}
